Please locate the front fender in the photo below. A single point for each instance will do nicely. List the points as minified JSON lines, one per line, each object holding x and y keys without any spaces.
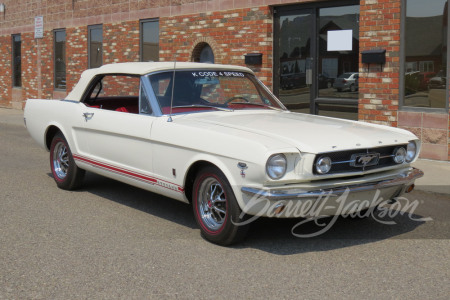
{"x":228,"y":166}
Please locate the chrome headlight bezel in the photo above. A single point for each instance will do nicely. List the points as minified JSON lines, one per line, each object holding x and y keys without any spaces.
{"x":323,"y":165}
{"x":411,"y":151}
{"x":276,"y":166}
{"x":399,"y":155}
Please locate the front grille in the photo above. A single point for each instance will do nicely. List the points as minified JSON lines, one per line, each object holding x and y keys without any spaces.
{"x":345,"y":161}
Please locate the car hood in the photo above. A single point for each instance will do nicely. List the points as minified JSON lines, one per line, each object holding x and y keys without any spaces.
{"x":308,"y":133}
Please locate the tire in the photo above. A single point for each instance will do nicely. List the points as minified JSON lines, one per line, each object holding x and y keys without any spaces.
{"x":329,"y":84}
{"x":352,"y":88}
{"x":64,"y":170}
{"x":216,"y":209}
{"x":339,"y":90}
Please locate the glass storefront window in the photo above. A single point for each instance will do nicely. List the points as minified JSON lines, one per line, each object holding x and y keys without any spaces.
{"x":150,"y":40}
{"x":60,"y":58}
{"x":317,"y":48}
{"x":17,"y":60}
{"x":295,"y":52}
{"x":338,"y":52}
{"x":95,"y":46}
{"x":425,"y":71}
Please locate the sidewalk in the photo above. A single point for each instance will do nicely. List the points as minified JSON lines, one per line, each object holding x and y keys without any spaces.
{"x":436,"y":178}
{"x":11,"y":116}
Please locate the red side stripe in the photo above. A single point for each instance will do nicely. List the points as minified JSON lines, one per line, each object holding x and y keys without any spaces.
{"x":129,"y":173}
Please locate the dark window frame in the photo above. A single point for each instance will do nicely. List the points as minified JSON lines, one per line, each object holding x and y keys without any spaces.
{"x":54,"y":58}
{"x":401,"y":106}
{"x":90,"y":27}
{"x":13,"y":64}
{"x":141,"y":36}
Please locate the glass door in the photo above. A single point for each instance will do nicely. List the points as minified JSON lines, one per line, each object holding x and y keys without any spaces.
{"x":316,"y":58}
{"x":295,"y":61}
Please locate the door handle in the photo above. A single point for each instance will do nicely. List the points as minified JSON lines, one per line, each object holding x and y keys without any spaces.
{"x":88,"y":116}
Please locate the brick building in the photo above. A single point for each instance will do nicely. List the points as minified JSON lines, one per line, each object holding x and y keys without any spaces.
{"x":311,"y":51}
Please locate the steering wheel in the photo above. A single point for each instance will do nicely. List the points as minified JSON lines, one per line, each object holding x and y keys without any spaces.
{"x":236,"y":97}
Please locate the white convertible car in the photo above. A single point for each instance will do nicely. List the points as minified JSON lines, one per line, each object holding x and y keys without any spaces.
{"x":215,"y":136}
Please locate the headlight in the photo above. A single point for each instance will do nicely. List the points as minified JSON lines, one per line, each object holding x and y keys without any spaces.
{"x":411,"y":151}
{"x":323,"y":165}
{"x":399,"y":155}
{"x":276,"y":166}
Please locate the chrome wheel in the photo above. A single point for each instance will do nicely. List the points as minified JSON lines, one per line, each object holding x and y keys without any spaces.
{"x":216,"y":209}
{"x":60,"y":160}
{"x":212,"y":204}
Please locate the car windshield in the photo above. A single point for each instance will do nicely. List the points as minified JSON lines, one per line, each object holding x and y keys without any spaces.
{"x":199,"y":90}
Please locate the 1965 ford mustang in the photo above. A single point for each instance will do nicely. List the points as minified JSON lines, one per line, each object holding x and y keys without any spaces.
{"x":216,"y":137}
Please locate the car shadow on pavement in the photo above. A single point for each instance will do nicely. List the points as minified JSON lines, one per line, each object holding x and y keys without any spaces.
{"x":277,"y":236}
{"x":145,"y":201}
{"x":291,"y":236}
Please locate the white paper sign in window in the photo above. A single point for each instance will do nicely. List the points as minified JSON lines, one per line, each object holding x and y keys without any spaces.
{"x":340,"y":40}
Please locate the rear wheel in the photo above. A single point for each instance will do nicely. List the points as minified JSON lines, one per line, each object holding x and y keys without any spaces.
{"x":216,"y":209}
{"x":64,"y":170}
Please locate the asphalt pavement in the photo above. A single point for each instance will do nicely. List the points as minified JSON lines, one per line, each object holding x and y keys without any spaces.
{"x":109,"y":240}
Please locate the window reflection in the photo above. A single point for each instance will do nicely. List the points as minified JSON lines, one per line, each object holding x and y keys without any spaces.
{"x":321,"y":65}
{"x":95,"y":46}
{"x":150,"y":40}
{"x":60,"y":58}
{"x":338,"y":69}
{"x":342,"y":111}
{"x":17,"y":60}
{"x":425,"y":54}
{"x":295,"y":50}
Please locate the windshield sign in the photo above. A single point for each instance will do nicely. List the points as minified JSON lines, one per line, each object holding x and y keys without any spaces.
{"x":210,"y":90}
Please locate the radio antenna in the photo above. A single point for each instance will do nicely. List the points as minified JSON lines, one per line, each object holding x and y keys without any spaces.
{"x":173,"y":87}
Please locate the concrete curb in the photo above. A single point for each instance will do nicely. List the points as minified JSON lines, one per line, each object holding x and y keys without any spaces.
{"x":436,"y":178}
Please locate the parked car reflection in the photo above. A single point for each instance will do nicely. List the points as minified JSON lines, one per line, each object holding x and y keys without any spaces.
{"x":438,"y":82}
{"x":347,"y":81}
{"x":325,"y":82}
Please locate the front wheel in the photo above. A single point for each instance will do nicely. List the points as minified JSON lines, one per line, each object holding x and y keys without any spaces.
{"x":216,"y":209}
{"x":66,"y":173}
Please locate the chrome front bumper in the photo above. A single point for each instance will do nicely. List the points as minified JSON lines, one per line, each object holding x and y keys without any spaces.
{"x":328,"y":198}
{"x":402,"y":179}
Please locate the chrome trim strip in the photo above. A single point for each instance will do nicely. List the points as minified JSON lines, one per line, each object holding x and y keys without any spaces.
{"x":292,"y":194}
{"x":350,"y":161}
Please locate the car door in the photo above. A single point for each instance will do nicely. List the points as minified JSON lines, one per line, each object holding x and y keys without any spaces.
{"x":118,"y":133}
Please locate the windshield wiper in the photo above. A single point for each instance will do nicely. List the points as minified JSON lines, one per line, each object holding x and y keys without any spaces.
{"x":257,"y":104}
{"x":204,"y":106}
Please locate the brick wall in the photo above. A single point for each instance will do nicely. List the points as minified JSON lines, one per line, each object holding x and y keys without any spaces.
{"x":121,"y":42}
{"x":231,"y":34}
{"x":380,"y":23}
{"x":231,"y":28}
{"x":76,"y":49}
{"x":5,"y":74}
{"x":379,"y":85}
{"x":29,"y":66}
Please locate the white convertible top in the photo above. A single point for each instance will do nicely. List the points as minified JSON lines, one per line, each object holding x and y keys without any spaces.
{"x":142,"y":68}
